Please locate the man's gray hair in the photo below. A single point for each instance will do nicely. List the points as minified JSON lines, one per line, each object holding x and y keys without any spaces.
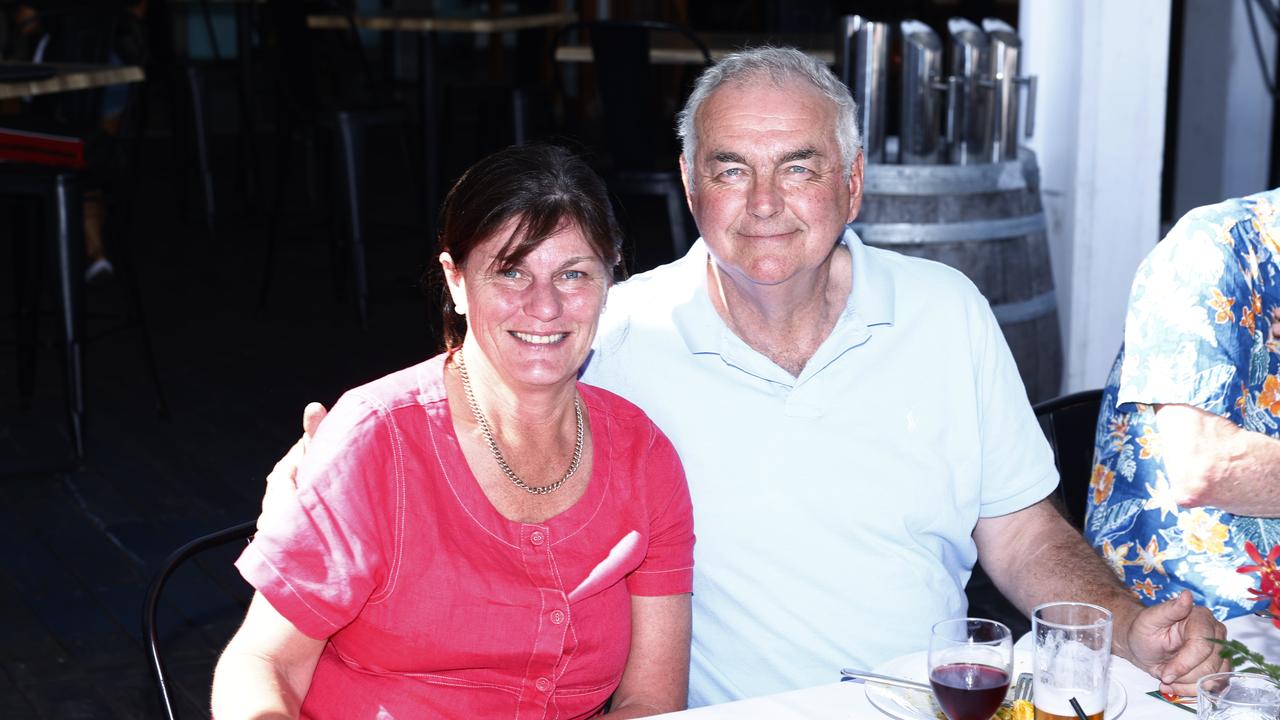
{"x":781,"y":65}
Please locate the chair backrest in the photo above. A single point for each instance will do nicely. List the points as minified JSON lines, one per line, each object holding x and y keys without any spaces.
{"x":1070,"y":423}
{"x":638,"y":125}
{"x":150,"y":611}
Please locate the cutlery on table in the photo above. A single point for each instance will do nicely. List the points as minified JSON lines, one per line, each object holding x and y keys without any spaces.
{"x":886,"y":680}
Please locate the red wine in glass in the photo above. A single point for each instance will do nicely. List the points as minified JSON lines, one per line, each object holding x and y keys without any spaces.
{"x":969,"y":691}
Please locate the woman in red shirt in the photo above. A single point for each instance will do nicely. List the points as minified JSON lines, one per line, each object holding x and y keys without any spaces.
{"x":480,"y":535}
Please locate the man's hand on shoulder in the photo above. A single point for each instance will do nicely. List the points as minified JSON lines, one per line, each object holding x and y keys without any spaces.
{"x":1172,"y":641}
{"x":282,"y":482}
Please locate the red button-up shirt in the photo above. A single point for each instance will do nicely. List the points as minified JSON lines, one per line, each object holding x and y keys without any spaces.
{"x":435,"y":605}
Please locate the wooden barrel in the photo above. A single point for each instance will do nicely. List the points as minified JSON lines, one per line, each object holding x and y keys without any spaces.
{"x":986,"y":221}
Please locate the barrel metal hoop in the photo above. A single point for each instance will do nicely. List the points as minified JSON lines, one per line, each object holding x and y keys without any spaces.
{"x":1024,"y":310}
{"x":963,"y":231}
{"x":886,"y":179}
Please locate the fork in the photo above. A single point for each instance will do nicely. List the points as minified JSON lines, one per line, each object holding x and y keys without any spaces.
{"x":1022,"y":688}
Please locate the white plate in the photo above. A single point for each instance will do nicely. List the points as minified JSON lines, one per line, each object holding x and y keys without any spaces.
{"x":915,"y":705}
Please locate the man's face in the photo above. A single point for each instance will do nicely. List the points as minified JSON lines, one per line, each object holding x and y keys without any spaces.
{"x":767,"y":187}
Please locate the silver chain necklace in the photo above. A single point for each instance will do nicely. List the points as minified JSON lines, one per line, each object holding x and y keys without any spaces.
{"x":493,"y":444}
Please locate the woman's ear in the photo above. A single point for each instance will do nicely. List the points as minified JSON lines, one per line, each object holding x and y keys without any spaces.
{"x":457,"y":284}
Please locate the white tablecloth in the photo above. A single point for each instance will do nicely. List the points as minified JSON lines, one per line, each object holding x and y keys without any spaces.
{"x":848,"y":700}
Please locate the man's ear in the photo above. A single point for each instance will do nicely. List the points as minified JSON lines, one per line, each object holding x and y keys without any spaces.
{"x":855,"y":187}
{"x":456,"y":282}
{"x":684,"y":180}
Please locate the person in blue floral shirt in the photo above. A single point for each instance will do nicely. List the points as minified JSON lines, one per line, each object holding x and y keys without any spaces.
{"x":1187,"y":460}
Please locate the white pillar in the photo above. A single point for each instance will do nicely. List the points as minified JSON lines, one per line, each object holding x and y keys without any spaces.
{"x":1102,"y":68}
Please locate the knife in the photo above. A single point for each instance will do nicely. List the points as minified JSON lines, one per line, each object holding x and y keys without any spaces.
{"x":885,"y":680}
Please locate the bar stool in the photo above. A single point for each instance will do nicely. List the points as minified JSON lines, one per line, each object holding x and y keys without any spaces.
{"x":57,"y":184}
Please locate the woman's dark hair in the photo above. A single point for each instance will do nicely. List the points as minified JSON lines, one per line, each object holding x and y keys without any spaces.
{"x":547,"y":188}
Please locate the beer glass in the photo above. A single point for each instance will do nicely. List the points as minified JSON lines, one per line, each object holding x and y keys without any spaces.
{"x":1237,"y":696}
{"x":970,"y":661}
{"x":1072,"y":659}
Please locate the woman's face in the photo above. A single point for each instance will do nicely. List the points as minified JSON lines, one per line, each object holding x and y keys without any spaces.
{"x":534,"y":321}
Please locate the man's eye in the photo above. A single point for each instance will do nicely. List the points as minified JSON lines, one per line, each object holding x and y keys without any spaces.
{"x":732,"y":172}
{"x":574,"y":274}
{"x":797,"y":169}
{"x":511,"y":274}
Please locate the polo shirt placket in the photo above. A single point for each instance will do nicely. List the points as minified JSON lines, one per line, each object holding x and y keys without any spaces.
{"x":549,"y":637}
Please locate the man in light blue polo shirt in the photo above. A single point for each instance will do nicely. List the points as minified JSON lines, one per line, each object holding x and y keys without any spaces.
{"x":851,"y":422}
{"x":834,"y":509}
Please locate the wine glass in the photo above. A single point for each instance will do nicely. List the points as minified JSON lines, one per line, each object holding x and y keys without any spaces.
{"x":970,"y":662}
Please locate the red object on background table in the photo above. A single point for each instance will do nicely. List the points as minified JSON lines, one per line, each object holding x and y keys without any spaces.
{"x":39,"y":148}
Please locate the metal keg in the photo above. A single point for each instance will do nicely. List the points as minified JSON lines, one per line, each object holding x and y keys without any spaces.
{"x":863,"y":53}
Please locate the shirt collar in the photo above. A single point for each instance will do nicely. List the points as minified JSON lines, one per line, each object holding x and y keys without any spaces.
{"x":870,"y":303}
{"x":873,"y":288}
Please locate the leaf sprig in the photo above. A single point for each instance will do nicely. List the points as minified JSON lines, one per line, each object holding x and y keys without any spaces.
{"x":1246,"y":660}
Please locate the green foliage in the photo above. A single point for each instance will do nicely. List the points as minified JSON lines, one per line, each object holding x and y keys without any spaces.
{"x":1246,"y":660}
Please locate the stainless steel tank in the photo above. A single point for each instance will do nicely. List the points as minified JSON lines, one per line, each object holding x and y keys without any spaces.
{"x":920,"y":116}
{"x":863,"y":50}
{"x":1006,"y":57}
{"x":970,"y":66}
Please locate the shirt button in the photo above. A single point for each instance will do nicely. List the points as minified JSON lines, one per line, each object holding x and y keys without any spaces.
{"x":542,"y":684}
{"x":535,"y":537}
{"x":557,"y":617}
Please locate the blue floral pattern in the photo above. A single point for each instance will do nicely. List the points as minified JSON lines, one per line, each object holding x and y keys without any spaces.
{"x":1197,"y":333}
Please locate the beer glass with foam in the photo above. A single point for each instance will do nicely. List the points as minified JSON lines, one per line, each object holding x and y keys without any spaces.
{"x":1072,"y":659}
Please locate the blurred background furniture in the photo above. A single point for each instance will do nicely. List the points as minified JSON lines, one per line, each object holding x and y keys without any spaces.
{"x":216,"y":549}
{"x":326,"y":85}
{"x":65,"y":113}
{"x":637,"y":148}
{"x":196,"y":75}
{"x":426,"y":27}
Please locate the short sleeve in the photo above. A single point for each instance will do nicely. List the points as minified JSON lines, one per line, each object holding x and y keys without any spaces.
{"x":1182,"y":332}
{"x":320,"y":558}
{"x":667,"y":568}
{"x":1017,"y":462}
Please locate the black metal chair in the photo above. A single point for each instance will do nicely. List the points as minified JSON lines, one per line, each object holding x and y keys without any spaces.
{"x":320,"y":93}
{"x":1070,"y":423}
{"x":637,"y":116}
{"x":150,"y":612}
{"x":87,"y":36}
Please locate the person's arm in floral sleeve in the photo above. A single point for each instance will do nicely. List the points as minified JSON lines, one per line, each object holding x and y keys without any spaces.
{"x":1210,"y":460}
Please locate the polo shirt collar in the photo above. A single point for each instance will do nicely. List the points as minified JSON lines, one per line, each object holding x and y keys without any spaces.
{"x":871,"y":302}
{"x":873,"y":290}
